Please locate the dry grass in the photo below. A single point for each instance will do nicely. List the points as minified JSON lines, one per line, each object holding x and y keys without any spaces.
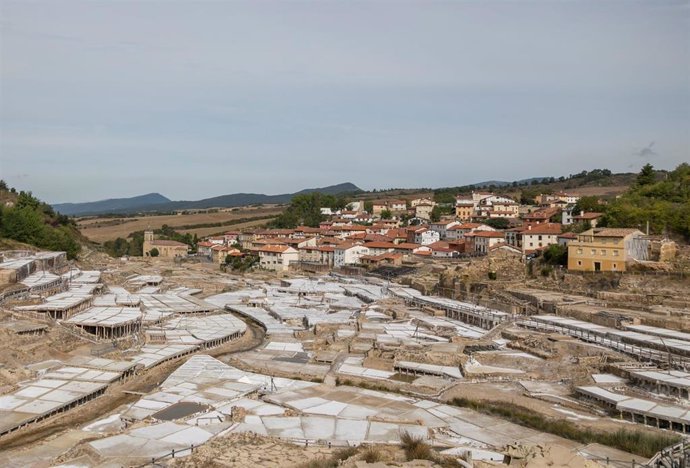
{"x":333,"y":461}
{"x":372,"y":455}
{"x":103,"y":229}
{"x":215,"y":230}
{"x":415,"y":448}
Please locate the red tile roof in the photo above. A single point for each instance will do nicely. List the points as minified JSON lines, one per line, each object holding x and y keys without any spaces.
{"x":591,"y":215}
{"x":168,"y":243}
{"x":407,"y":246}
{"x":546,"y":228}
{"x":273,"y":248}
{"x":379,"y":245}
{"x":493,"y":234}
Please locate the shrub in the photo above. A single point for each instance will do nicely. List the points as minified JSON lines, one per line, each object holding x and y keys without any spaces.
{"x":415,"y":448}
{"x":372,"y":455}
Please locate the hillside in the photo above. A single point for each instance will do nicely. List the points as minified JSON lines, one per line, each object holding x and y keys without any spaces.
{"x":598,"y":182}
{"x":140,"y":205}
{"x":111,"y":205}
{"x":662,"y":200}
{"x":26,"y":219}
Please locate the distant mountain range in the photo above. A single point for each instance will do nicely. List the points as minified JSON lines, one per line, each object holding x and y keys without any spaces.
{"x":503,"y":183}
{"x":155,"y":202}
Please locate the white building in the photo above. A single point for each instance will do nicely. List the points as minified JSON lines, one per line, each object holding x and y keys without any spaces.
{"x":568,"y":214}
{"x":457,"y":231}
{"x":348,"y":254}
{"x":426,"y":237}
{"x":357,"y":206}
{"x":442,"y":227}
{"x":277,"y":257}
{"x":485,"y":240}
{"x":539,"y":236}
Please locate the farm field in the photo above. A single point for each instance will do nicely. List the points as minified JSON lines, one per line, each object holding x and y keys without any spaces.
{"x":215,"y":230}
{"x":103,"y":229}
{"x":599,"y":191}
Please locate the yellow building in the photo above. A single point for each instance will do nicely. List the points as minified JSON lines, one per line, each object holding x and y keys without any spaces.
{"x":607,"y":249}
{"x":166,"y":248}
{"x":464,"y":209}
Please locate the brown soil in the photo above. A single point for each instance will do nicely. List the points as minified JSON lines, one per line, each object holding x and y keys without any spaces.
{"x":102,"y":229}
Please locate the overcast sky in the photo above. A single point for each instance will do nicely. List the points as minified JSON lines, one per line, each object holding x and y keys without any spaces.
{"x":103,"y":99}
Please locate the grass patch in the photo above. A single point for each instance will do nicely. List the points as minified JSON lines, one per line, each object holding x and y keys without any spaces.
{"x":415,"y":448}
{"x":333,"y":461}
{"x":344,"y":453}
{"x":631,"y":441}
{"x":372,"y":455}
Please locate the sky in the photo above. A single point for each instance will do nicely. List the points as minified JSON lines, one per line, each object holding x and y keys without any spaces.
{"x":192,"y":99}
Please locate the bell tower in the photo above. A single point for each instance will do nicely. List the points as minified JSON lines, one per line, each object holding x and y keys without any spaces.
{"x":148,"y":240}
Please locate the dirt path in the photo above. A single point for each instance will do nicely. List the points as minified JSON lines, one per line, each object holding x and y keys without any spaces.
{"x":115,"y":396}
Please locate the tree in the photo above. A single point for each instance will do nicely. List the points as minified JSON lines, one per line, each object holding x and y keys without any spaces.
{"x":664,"y":204}
{"x":304,"y":209}
{"x":528,"y":195}
{"x":386,"y":214}
{"x":556,"y":254}
{"x":646,"y":176}
{"x":369,"y":206}
{"x":436,"y":214}
{"x":497,"y":223}
{"x":588,"y":204}
{"x":23,"y":224}
{"x":154,"y":252}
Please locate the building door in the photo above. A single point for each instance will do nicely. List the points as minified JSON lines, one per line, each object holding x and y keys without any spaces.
{"x":597,"y":266}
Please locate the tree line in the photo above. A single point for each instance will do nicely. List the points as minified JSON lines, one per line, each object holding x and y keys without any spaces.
{"x":660,"y":199}
{"x":25,"y":218}
{"x":305,"y":210}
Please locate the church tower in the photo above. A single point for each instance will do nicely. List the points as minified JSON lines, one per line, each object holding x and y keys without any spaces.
{"x":148,"y":240}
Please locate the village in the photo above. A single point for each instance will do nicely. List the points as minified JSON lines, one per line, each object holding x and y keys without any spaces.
{"x":482,"y":223}
{"x":359,"y":334}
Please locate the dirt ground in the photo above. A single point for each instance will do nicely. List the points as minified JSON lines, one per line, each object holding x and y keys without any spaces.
{"x":17,"y":351}
{"x":246,"y":450}
{"x":102,"y":229}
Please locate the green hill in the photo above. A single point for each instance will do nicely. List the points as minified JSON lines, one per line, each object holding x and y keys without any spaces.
{"x":661,"y":199}
{"x":24,"y":218}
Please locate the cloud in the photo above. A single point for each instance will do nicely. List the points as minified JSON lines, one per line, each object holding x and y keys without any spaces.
{"x":277,"y":96}
{"x":647,"y":152}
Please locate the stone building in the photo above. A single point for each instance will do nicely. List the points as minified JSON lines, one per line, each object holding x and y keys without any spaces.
{"x":166,"y":248}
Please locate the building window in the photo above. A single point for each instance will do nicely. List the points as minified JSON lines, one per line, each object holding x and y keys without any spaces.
{"x":594,"y":251}
{"x":579,"y":251}
{"x":615,"y":253}
{"x":603,"y":252}
{"x":579,"y":263}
